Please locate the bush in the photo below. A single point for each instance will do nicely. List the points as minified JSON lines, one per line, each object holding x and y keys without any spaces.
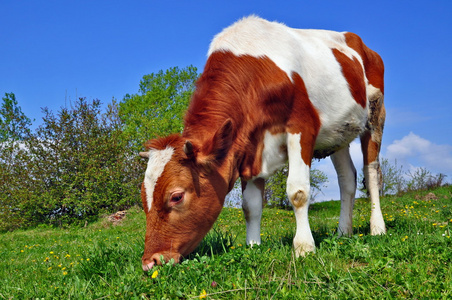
{"x":397,"y":182}
{"x":275,"y":187}
{"x":421,"y":179}
{"x":74,"y":168}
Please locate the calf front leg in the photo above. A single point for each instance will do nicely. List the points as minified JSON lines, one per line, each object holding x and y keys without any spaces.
{"x":253,"y":194}
{"x":298,"y":188}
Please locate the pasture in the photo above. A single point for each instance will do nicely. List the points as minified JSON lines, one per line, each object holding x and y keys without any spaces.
{"x":103,"y":261}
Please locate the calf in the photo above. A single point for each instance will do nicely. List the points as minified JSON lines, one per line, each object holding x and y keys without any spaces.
{"x":268,"y":94}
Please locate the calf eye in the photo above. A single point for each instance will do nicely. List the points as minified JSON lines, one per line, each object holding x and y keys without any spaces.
{"x":176,"y":198}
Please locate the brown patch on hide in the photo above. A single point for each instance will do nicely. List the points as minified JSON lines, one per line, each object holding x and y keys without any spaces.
{"x":353,"y":73}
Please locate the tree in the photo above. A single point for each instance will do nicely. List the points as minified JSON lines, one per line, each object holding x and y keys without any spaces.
{"x":422,"y":179}
{"x":395,"y":181}
{"x":14,"y":125}
{"x":275,"y":188}
{"x":74,"y":168}
{"x":14,"y":130}
{"x":158,"y":108}
{"x":392,"y":178}
{"x":82,"y":164}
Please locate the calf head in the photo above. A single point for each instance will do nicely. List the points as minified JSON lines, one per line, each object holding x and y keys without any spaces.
{"x":183,"y":192}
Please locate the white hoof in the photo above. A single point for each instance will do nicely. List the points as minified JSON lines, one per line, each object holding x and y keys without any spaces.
{"x":377,"y":225}
{"x":303,"y":249}
{"x":251,"y":243}
{"x":377,"y":230}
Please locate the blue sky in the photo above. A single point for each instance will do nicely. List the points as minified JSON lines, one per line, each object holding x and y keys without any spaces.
{"x":54,"y":51}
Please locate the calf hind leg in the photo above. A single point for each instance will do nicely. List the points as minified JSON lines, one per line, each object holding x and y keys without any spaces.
{"x":253,"y":193}
{"x":346,"y":175}
{"x":371,"y":174}
{"x":370,"y":145}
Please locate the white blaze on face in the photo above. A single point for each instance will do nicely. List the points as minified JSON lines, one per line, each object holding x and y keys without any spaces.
{"x":157,"y":162}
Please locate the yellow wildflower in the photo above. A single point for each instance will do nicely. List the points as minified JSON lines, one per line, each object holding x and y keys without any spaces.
{"x":155,"y":274}
{"x":203,"y":294}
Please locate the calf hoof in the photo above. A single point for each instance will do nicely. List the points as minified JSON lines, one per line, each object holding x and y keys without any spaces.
{"x":377,"y":225}
{"x":303,"y":249}
{"x":345,"y":231}
{"x":377,"y":230}
{"x":251,"y":243}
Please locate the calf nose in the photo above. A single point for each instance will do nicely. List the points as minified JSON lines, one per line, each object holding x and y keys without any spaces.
{"x":148,"y":267}
{"x":149,"y":263}
{"x":156,"y":260}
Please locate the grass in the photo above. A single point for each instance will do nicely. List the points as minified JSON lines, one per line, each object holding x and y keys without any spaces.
{"x":102,"y":261}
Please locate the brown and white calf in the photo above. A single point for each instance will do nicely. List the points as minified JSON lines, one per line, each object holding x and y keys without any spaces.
{"x":268,"y":94}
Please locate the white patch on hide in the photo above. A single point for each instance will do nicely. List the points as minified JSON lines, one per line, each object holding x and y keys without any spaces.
{"x":273,"y":154}
{"x":307,"y":52}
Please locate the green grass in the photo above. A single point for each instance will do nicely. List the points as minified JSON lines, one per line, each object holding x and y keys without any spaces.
{"x":101,"y":261}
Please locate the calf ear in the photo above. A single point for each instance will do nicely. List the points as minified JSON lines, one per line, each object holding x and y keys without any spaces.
{"x":188,"y":150}
{"x":214,"y":150}
{"x":144,"y":154}
{"x":221,"y":142}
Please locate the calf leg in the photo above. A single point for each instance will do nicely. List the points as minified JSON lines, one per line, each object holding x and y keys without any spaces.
{"x":377,"y":223}
{"x":370,"y":145}
{"x":346,"y":175}
{"x":298,"y":192}
{"x":253,"y":194}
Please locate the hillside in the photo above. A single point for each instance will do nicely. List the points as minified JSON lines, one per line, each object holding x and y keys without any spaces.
{"x":102,"y":260}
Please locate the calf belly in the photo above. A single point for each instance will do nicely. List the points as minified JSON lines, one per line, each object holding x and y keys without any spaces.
{"x":329,"y":140}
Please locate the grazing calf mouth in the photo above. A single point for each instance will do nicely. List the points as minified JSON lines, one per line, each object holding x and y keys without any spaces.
{"x":148,"y":266}
{"x":155,"y":259}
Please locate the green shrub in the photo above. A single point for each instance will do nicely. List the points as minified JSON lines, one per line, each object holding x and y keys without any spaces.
{"x":74,"y":168}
